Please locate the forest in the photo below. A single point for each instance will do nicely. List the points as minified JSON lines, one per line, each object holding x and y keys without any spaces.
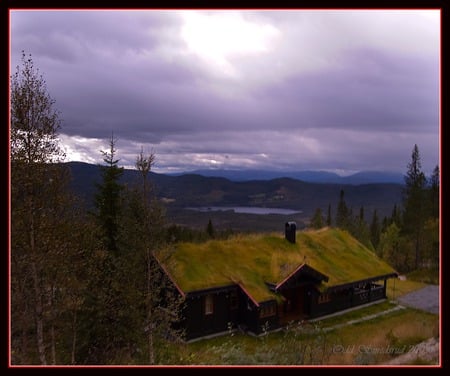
{"x":83,"y":285}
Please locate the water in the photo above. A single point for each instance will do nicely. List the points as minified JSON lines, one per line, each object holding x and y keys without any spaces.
{"x":246,"y":210}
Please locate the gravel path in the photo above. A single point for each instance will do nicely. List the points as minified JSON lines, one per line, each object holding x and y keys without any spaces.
{"x":426,"y":299}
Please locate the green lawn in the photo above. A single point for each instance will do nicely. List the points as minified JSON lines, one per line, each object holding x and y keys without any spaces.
{"x":396,"y":287}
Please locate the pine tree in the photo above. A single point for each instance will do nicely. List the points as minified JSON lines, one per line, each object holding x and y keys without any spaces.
{"x":329,"y":216}
{"x":210,"y":229}
{"x":106,"y":298}
{"x":107,"y":199}
{"x":343,"y":213}
{"x":375,"y":230}
{"x":415,"y":205}
{"x":396,"y":216}
{"x":434,"y":192}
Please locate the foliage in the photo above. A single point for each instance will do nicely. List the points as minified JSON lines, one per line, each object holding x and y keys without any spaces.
{"x":317,"y":220}
{"x":425,"y":275}
{"x":107,"y":199}
{"x":415,"y":205}
{"x":343,"y":213}
{"x":210,"y":229}
{"x":409,"y":239}
{"x":47,"y":231}
{"x":375,"y":230}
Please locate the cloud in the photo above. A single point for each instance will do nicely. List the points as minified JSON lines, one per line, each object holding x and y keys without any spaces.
{"x":267,"y":89}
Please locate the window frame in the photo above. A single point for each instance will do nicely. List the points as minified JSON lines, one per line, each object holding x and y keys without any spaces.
{"x":208,"y":308}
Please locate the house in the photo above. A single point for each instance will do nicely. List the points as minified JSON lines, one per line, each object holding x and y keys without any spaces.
{"x":258,"y":280}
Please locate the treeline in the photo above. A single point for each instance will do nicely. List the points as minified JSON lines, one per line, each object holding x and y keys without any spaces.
{"x":409,"y":238}
{"x":86,"y":287}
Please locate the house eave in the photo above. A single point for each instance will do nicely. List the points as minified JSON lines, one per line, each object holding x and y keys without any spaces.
{"x":307,"y":269}
{"x":361,"y":281}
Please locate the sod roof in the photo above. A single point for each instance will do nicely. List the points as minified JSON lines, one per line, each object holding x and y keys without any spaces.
{"x":253,"y":260}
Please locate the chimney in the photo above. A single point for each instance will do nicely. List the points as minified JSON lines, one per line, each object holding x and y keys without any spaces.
{"x":289,"y":232}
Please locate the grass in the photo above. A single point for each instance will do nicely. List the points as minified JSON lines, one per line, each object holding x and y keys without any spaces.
{"x":356,"y":314}
{"x":370,"y":342}
{"x":396,"y":287}
{"x":430,"y":276}
{"x":378,"y":340}
{"x":254,"y":259}
{"x":374,"y":341}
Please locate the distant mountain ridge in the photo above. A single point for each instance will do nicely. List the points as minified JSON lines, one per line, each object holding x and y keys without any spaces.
{"x":193,"y":190}
{"x":362,"y":177}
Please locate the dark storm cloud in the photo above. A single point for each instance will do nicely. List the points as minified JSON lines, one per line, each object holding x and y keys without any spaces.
{"x":369,"y":90}
{"x":300,"y":89}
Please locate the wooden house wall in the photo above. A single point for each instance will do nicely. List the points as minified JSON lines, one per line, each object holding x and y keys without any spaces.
{"x":345,"y":299}
{"x":198,"y":324}
{"x":272,"y":322}
{"x":248,"y":314}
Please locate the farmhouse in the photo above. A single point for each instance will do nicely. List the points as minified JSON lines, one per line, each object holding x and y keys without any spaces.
{"x":255,"y":281}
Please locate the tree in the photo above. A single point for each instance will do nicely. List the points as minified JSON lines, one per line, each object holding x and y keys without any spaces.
{"x":329,"y":216}
{"x":34,"y":126}
{"x":415,"y":212}
{"x":434,"y":192}
{"x":317,"y":221}
{"x":44,"y":238}
{"x":161,"y":306}
{"x":210,"y":229}
{"x":395,"y":249}
{"x":108,"y":297}
{"x":375,"y":230}
{"x":396,"y":216}
{"x":343,"y":213}
{"x":107,"y":199}
{"x":360,"y":230}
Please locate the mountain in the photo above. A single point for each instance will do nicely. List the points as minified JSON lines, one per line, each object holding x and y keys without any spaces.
{"x":191,"y":190}
{"x":363,"y":177}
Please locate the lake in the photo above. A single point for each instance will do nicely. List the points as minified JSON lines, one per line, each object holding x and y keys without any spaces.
{"x":246,"y":210}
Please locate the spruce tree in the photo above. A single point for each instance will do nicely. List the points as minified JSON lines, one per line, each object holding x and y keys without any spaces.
{"x":343,"y":213}
{"x":375,"y":230}
{"x":415,"y":213}
{"x":329,"y":216}
{"x":210,"y":229}
{"x":434,"y":193}
{"x":107,"y":198}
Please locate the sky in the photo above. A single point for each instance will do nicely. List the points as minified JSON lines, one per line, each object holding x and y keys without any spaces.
{"x":333,"y":90}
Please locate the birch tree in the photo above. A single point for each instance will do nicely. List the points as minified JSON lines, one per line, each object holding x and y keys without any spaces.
{"x":41,"y":220}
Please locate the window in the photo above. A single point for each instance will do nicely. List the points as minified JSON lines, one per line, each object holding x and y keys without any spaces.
{"x":209,"y":304}
{"x":234,"y":302}
{"x":324,"y":298}
{"x":268,"y":310}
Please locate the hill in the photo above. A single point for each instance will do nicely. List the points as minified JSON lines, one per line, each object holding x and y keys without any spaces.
{"x":362,"y":177}
{"x":180,"y":192}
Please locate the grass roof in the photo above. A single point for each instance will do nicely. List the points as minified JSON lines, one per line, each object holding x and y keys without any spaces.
{"x":252,"y":260}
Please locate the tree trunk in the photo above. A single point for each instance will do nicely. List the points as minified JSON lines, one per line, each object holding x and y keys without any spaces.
{"x":39,"y":316}
{"x":74,"y":338}
{"x":151,"y":352}
{"x":52,"y":326}
{"x":38,"y":294}
{"x":52,"y":334}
